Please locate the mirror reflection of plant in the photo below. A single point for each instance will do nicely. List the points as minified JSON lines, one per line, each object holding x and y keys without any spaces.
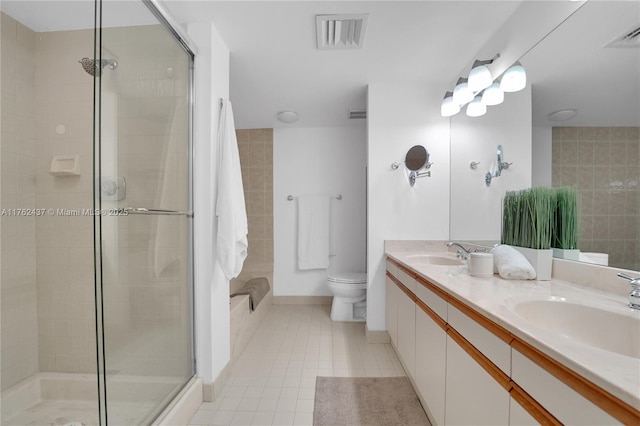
{"x":566,"y":223}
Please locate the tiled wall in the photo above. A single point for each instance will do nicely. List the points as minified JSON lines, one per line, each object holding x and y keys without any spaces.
{"x":19,"y":334}
{"x":64,"y":126}
{"x":48,"y":319}
{"x":256,"y":158}
{"x":603,"y":162}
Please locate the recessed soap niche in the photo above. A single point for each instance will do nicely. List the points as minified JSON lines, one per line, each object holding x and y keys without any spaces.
{"x":65,"y":165}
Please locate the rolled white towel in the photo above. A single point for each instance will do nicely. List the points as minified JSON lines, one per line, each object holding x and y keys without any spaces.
{"x":511,"y":264}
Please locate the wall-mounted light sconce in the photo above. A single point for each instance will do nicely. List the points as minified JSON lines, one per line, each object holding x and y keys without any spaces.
{"x":502,"y":165}
{"x":493,"y":95}
{"x":416,"y":164}
{"x":514,"y":78}
{"x":462,"y":94}
{"x":480,"y":76}
{"x":476,"y":108}
{"x":448,"y":106}
{"x":480,"y":90}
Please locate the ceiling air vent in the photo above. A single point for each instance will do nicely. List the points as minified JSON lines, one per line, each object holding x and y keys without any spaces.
{"x":356,"y":114}
{"x":630,"y":38}
{"x":340,"y":31}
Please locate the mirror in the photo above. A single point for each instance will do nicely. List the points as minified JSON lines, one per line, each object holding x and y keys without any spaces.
{"x":587,"y":75}
{"x":417,"y":158}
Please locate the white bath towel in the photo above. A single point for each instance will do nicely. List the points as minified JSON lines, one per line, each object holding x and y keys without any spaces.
{"x":313,"y":232}
{"x":231,"y":212}
{"x":511,"y":264}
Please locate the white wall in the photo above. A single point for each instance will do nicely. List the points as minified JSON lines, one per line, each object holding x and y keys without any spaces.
{"x":476,"y":210}
{"x":211,"y":288}
{"x":400,"y":116}
{"x":318,"y":161}
{"x":541,"y":156}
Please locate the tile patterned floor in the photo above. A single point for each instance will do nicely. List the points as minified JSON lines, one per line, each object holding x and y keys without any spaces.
{"x":273,"y":381}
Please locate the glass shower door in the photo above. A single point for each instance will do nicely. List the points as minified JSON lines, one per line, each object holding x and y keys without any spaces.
{"x":144,"y":223}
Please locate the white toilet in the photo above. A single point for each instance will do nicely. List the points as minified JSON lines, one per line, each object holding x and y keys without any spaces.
{"x":349,"y":296}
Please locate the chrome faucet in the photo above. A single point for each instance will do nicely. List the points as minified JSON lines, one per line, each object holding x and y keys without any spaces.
{"x":463,"y":253}
{"x":634,"y":296}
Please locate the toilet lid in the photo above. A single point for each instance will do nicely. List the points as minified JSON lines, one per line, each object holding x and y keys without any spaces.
{"x":348,"y":278}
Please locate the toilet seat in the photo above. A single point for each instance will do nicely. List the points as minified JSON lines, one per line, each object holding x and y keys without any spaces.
{"x":348,"y":278}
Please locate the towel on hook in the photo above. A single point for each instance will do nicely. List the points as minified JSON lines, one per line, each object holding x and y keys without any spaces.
{"x":511,"y":264}
{"x":313,"y":232}
{"x":231,"y":212}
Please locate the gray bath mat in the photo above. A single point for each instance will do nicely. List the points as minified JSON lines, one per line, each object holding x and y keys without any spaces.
{"x":367,"y":401}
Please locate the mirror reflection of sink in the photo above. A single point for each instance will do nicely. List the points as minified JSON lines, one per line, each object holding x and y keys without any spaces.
{"x":611,"y":331}
{"x":434,"y":259}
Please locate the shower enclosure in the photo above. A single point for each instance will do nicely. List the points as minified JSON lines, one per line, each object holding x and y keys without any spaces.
{"x":96,"y":224}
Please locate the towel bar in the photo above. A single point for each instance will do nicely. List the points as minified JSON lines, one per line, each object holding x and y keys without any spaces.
{"x":337,"y":197}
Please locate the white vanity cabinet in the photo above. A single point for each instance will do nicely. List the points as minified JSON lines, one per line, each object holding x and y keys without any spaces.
{"x":407,"y":332}
{"x":518,"y":416}
{"x":468,"y":369}
{"x":431,"y":361}
{"x":391,"y":310}
{"x":473,"y":397}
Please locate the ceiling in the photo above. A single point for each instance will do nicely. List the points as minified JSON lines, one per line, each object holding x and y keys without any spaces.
{"x":572,"y":69}
{"x":275,"y":65}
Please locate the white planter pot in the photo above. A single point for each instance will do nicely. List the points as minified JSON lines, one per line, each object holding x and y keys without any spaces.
{"x":573,"y":254}
{"x":541,"y":260}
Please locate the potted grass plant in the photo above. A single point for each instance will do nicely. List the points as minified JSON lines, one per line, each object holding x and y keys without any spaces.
{"x":527,"y":223}
{"x":564,"y":240}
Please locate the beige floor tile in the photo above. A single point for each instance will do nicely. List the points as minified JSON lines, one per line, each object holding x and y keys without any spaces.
{"x":273,"y":381}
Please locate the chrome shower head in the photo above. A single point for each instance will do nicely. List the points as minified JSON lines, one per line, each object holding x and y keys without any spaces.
{"x":94,"y":67}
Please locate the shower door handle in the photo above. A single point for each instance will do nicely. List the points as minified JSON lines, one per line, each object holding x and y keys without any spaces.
{"x":143,"y":210}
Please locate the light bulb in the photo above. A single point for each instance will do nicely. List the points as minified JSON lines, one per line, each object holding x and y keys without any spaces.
{"x":476,"y":108}
{"x":480,"y":76}
{"x":462,"y":94}
{"x":514,"y":79}
{"x":448,"y":106}
{"x":493,"y":95}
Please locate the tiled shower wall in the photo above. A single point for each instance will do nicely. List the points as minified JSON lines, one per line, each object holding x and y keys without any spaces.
{"x":64,"y":106}
{"x":19,"y":315}
{"x":48,"y":320}
{"x":256,"y":159}
{"x":603,"y":163}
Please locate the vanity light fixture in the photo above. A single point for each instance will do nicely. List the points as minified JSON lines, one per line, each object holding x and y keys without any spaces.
{"x":480,"y":76}
{"x":449,"y":107}
{"x":514,"y":78}
{"x":493,"y":95}
{"x":462,"y":94}
{"x":476,"y":108}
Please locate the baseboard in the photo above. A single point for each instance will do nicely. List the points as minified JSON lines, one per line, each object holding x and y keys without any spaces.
{"x":183,"y":407}
{"x":219,"y":382}
{"x":377,"y":336}
{"x":207,"y":392}
{"x":302,"y":300}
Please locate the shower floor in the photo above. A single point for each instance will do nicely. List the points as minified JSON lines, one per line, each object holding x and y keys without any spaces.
{"x":61,"y":412}
{"x":56,"y":399}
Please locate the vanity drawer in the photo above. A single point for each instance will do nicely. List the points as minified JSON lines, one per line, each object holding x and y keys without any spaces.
{"x":407,"y":280}
{"x":392,"y":268}
{"x":567,"y":405}
{"x":432,"y":300}
{"x":494,"y":348}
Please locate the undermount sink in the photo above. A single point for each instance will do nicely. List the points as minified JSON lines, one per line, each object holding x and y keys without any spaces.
{"x":584,"y":323}
{"x":434,"y":259}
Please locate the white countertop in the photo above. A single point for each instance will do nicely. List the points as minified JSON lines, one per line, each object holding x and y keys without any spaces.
{"x":494,"y":297}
